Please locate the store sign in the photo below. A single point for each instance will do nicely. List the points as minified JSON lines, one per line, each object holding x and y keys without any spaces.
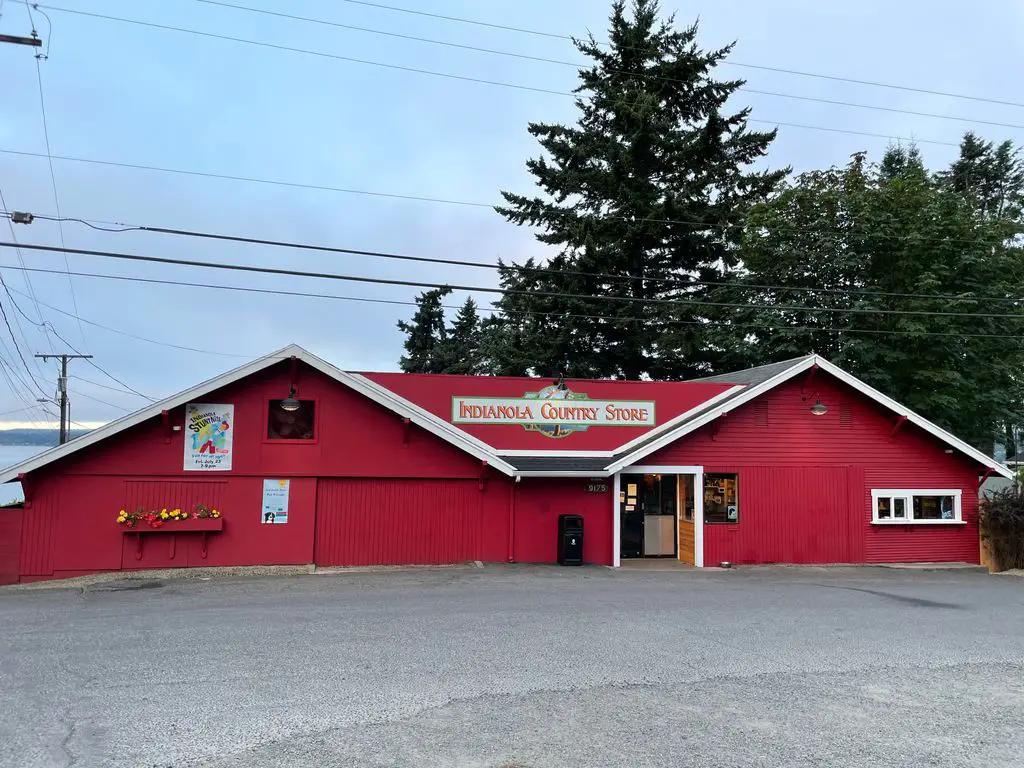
{"x":555,"y":411}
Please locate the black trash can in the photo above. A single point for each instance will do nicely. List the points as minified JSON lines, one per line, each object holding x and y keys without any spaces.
{"x":570,"y":540}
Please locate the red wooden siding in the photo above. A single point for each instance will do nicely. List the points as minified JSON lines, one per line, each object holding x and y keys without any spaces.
{"x":10,"y":544}
{"x":791,"y":515}
{"x":538,"y":504}
{"x":38,"y":533}
{"x":790,"y":468}
{"x":394,"y":522}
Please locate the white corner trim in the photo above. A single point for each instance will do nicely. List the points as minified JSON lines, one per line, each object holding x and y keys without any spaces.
{"x":908,"y":494}
{"x":686,"y":428}
{"x":914,"y":418}
{"x":616,"y":524}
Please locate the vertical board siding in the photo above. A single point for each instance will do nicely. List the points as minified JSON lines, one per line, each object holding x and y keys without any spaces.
{"x":788,"y":515}
{"x":39,"y":528}
{"x":397,"y":522}
{"x":805,"y":482}
{"x":155,"y":495}
{"x":10,"y":545}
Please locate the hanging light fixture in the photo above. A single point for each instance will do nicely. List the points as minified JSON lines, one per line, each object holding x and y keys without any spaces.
{"x":290,"y":403}
{"x":819,"y":408}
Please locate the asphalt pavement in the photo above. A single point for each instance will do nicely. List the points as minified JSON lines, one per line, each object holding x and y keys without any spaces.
{"x":518,"y":666}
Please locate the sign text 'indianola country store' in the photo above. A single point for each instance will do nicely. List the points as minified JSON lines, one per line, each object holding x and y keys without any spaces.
{"x":537,"y":411}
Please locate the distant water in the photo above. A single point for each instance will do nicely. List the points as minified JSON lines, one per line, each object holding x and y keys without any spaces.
{"x":10,"y":455}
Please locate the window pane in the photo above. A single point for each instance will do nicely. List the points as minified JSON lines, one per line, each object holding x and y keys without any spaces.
{"x":721,"y":495}
{"x":899,"y":507}
{"x":934,"y":508}
{"x":291,"y":425}
{"x":884,"y":508}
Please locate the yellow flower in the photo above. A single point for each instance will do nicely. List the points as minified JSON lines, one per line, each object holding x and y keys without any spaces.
{"x":121,"y":518}
{"x":184,"y":515}
{"x":216,"y":513}
{"x":164,"y":515}
{"x":122,"y":513}
{"x":176,"y":512}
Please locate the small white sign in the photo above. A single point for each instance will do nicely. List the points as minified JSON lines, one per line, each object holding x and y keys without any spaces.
{"x":275,"y":502}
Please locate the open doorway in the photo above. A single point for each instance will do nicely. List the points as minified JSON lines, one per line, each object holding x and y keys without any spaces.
{"x":656,"y":516}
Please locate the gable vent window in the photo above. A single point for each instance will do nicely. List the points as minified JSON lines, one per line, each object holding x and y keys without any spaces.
{"x":761,"y":413}
{"x":846,"y":413}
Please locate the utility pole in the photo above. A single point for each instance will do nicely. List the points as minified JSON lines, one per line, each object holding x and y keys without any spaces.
{"x":62,"y":390}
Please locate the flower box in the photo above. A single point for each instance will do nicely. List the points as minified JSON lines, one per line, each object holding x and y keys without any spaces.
{"x":180,"y":526}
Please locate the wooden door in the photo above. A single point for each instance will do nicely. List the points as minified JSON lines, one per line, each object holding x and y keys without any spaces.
{"x":687,"y":534}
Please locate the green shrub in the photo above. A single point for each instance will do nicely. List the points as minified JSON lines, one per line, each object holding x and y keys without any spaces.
{"x":1002,"y":527}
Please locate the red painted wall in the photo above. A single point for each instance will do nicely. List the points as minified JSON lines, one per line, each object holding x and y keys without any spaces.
{"x":805,"y":481}
{"x":69,"y":525}
{"x":539,"y":502}
{"x":10,"y":545}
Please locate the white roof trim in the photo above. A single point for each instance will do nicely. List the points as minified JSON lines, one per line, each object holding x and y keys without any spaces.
{"x":416,"y":415}
{"x":541,"y":454}
{"x":798,"y":367}
{"x":597,"y":473}
{"x":678,"y":419}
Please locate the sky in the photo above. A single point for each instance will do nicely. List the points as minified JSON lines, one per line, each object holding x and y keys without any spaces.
{"x":126,"y":93}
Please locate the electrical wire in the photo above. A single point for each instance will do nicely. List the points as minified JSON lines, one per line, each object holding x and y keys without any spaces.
{"x":28,"y":282}
{"x":702,"y":323}
{"x":448,"y":75}
{"x":687,"y":283}
{"x":56,"y":197}
{"x":102,"y":370}
{"x":677,"y":301}
{"x":570,"y":38}
{"x":583,"y":65}
{"x":101,"y":385}
{"x":103,"y":402}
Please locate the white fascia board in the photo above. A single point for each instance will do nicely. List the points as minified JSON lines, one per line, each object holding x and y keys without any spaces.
{"x":675,"y":421}
{"x":914,"y":418}
{"x":601,"y":473}
{"x":148,"y":412}
{"x":355,"y":382}
{"x":558,"y":454}
{"x":418,"y":416}
{"x":686,"y":428}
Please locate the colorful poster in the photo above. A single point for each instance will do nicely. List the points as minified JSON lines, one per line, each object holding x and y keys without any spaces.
{"x":275,"y":502}
{"x":208,"y":433}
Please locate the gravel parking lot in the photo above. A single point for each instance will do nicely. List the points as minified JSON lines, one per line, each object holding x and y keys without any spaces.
{"x":518,"y":666}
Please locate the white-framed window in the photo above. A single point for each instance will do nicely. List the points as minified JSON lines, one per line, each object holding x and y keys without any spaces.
{"x":926,"y":506}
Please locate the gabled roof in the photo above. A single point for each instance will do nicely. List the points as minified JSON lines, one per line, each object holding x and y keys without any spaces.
{"x":378,"y":394}
{"x":763,"y":378}
{"x":719,"y":395}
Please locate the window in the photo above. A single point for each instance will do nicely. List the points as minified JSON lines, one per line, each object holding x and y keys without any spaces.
{"x":299,"y":424}
{"x":721,"y":498}
{"x":910,"y":507}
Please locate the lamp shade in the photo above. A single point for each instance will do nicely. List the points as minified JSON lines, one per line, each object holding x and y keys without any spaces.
{"x":290,"y":403}
{"x":819,"y":408}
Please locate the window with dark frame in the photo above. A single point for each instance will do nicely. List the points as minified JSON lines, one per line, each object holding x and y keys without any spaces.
{"x":721,"y":498}
{"x":299,"y":424}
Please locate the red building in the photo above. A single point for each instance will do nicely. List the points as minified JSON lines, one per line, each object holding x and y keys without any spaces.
{"x":795,"y":462}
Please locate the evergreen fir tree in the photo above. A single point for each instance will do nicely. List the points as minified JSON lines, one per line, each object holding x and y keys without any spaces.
{"x":425,"y":334}
{"x":644,"y":192}
{"x":460,"y":351}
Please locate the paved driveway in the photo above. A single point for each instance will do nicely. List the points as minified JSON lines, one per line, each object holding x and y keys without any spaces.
{"x":519,"y":666}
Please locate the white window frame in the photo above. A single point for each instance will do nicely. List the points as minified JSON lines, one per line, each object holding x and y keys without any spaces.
{"x":908,"y":495}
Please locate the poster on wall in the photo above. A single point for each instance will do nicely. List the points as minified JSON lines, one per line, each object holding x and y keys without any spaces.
{"x":275,"y":502}
{"x":208,"y":434}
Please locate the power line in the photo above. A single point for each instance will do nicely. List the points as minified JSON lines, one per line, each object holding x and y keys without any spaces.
{"x":96,"y":399}
{"x":448,"y":75}
{"x":102,"y":386}
{"x":99,"y":368}
{"x":556,"y":36}
{"x":488,"y":308}
{"x":689,"y":282}
{"x":502,"y":291}
{"x":53,"y":181}
{"x":582,"y":65}
{"x":28,"y":282}
{"x":677,"y":282}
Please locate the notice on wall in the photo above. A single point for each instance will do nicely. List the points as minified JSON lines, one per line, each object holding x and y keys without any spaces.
{"x":275,"y":502}
{"x":208,"y":436}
